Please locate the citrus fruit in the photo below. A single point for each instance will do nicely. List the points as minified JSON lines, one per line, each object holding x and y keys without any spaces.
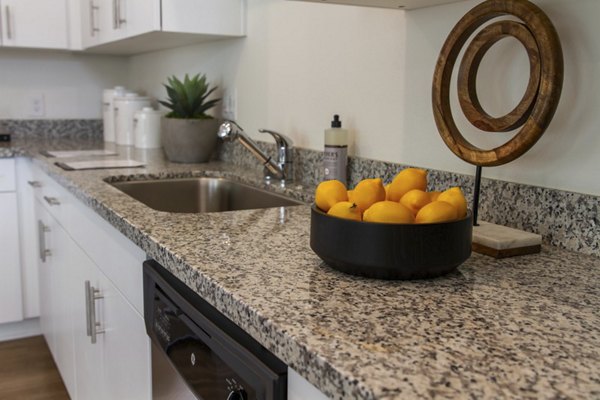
{"x":389,"y":212}
{"x":368,"y":192}
{"x":346,"y":210}
{"x":387,"y":190}
{"x":436,"y":211}
{"x":350,"y":194}
{"x":415,"y":199}
{"x":329,"y":193}
{"x":434,"y":195}
{"x":455,"y":197}
{"x":406,"y":180}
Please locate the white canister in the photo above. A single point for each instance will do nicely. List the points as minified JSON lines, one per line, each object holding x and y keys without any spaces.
{"x":146,"y":127}
{"x":108,"y":111}
{"x":125,"y":107}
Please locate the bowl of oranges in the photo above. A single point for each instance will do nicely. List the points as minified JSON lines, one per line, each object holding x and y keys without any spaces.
{"x":394,"y":231}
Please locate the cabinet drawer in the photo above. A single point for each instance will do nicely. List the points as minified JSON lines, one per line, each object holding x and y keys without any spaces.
{"x":114,"y":254}
{"x":49,"y":193}
{"x":7,"y":174}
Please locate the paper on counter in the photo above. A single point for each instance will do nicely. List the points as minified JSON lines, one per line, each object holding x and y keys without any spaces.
{"x":79,"y":153}
{"x":99,"y":164}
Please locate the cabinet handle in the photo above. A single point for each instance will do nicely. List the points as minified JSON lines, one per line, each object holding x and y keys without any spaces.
{"x":35,"y":184}
{"x":8,"y":26}
{"x":88,"y":321}
{"x":92,"y":294}
{"x":53,"y":201}
{"x":93,"y":28}
{"x":117,"y":14}
{"x":42,"y":229}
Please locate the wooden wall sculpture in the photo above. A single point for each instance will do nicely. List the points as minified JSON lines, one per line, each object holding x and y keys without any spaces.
{"x":535,"y":110}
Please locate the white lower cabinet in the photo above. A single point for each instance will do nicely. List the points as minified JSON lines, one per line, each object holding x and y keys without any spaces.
{"x":56,"y":286}
{"x":11,"y":304}
{"x":96,"y":336}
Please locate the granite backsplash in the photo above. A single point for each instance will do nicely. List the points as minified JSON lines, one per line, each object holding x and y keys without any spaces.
{"x":564,"y":219}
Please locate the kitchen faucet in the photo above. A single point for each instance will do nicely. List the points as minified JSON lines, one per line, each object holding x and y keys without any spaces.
{"x":282,"y":168}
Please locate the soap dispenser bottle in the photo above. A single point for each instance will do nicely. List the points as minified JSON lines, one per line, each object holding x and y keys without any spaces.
{"x":335,"y":157}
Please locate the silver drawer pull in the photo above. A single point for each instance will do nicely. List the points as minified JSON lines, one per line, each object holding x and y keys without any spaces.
{"x":91,"y":295}
{"x":53,"y":201}
{"x":42,"y":230}
{"x":35,"y":184}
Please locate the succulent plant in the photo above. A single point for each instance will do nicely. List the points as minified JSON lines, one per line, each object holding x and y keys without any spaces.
{"x":187,"y":99}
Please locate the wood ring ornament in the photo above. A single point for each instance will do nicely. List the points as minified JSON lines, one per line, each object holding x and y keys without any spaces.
{"x":467,"y":77}
{"x":538,"y":115}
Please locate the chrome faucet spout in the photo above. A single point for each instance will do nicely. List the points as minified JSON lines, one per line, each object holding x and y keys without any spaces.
{"x":281,"y":169}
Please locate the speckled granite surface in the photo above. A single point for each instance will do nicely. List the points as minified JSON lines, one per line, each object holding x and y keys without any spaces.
{"x":526,"y":327}
{"x":564,"y":219}
{"x":49,"y":129}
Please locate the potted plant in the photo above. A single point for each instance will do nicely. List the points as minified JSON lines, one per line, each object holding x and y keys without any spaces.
{"x":189,"y":135}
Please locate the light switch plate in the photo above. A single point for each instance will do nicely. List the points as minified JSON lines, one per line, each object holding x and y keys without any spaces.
{"x":36,"y":106}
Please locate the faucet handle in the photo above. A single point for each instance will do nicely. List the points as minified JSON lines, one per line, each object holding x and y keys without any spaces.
{"x":227,"y":130}
{"x":283,"y":142}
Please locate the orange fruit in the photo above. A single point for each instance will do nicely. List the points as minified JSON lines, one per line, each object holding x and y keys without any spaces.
{"x":389,"y":212}
{"x":345,"y":210}
{"x":455,"y":197}
{"x":329,"y":193}
{"x":436,"y":211}
{"x":406,"y":180}
{"x":368,"y":192}
{"x":434,"y":195}
{"x":415,"y":199}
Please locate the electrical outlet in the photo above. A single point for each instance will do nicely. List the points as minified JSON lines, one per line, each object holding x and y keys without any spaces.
{"x":36,"y":105}
{"x":230,"y":104}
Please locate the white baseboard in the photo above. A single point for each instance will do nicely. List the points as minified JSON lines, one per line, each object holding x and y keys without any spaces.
{"x":21,"y":329}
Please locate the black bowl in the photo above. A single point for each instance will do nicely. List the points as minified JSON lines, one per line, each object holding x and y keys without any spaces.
{"x":390,"y":251}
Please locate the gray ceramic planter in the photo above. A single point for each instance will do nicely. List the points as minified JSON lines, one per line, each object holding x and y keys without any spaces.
{"x":189,"y":140}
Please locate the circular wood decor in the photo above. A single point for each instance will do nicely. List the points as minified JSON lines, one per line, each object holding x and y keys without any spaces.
{"x":538,"y":105}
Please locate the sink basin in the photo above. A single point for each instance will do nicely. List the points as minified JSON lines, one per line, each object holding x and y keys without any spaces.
{"x":201,"y":195}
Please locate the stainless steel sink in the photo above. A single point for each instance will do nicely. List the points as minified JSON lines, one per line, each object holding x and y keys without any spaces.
{"x":200,"y":195}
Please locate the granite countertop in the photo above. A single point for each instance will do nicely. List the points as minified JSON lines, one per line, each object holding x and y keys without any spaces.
{"x":526,"y":327}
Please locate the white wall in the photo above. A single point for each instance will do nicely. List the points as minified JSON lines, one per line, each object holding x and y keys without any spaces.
{"x":71,"y":83}
{"x":302,"y":62}
{"x":567,"y":156}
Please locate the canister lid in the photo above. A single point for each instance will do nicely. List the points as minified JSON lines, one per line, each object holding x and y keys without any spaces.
{"x":150,"y":110}
{"x":131,"y":96}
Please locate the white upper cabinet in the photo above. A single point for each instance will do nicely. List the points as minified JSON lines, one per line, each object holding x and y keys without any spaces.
{"x":34,"y":23}
{"x":105,"y":21}
{"x":137,"y":26}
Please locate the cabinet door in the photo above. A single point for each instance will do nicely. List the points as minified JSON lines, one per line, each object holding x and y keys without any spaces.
{"x":28,"y":239}
{"x":57,"y":283}
{"x":34,"y":23}
{"x":126,"y":348}
{"x":211,"y":17}
{"x":89,"y":357}
{"x":63,"y":296}
{"x":11,"y":305}
{"x":46,"y":275}
{"x":134,"y":17}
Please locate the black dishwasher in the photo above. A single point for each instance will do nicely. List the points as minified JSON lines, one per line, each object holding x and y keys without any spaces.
{"x":216,"y":359}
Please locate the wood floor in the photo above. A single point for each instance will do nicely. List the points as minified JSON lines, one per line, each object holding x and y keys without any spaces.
{"x":28,"y":372}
